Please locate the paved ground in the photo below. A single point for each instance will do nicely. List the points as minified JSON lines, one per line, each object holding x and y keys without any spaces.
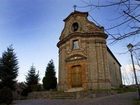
{"x":120,"y":99}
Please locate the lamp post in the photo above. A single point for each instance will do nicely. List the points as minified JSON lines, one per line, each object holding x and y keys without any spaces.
{"x":130,"y":48}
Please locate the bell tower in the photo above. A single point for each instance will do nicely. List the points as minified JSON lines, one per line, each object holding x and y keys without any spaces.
{"x":83,"y":61}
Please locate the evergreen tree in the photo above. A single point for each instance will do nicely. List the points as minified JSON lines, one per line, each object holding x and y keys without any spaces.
{"x":8,"y":68}
{"x":32,"y":79}
{"x":50,"y":80}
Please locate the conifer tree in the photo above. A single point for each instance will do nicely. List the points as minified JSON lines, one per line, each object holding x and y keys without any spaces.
{"x":32,"y":79}
{"x":50,"y":80}
{"x":8,"y":68}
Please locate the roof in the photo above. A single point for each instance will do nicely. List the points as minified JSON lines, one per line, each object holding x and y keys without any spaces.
{"x":77,"y":13}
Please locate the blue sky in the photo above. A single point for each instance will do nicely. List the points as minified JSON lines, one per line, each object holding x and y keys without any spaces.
{"x":34,"y":27}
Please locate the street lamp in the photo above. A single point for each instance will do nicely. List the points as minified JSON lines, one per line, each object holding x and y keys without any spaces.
{"x":130,"y":48}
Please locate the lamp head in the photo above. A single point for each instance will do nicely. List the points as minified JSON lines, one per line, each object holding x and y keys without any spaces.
{"x":130,"y":46}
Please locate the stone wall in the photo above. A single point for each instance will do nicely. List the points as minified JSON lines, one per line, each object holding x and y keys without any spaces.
{"x":115,"y":72}
{"x":69,"y":95}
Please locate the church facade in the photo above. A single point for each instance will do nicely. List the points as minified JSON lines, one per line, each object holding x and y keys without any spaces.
{"x":85,"y":61}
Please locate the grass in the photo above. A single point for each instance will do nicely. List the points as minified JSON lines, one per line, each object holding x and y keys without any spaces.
{"x":116,"y":90}
{"x":136,"y":102}
{"x":125,"y":89}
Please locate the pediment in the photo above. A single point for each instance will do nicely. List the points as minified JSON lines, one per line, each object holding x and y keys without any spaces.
{"x":75,"y":57}
{"x":85,"y":26}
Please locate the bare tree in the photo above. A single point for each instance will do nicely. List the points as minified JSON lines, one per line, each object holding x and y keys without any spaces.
{"x":128,"y":16}
{"x":125,"y":24}
{"x":127,"y":80}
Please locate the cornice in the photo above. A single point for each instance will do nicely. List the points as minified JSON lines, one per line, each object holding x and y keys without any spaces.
{"x":85,"y":35}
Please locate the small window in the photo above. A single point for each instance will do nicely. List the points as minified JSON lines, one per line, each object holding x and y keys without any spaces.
{"x":75,"y":44}
{"x":75,"y":26}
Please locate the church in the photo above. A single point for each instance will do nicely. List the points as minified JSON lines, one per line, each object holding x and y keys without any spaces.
{"x":85,"y":61}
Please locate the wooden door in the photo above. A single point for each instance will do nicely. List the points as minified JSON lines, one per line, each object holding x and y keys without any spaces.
{"x":76,"y":76}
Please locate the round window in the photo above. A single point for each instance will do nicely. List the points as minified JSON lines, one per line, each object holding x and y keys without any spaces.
{"x":75,"y":26}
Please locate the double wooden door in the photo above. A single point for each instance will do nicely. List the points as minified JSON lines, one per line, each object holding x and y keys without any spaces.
{"x":76,"y":76}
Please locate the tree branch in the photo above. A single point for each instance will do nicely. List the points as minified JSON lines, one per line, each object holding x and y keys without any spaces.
{"x":131,"y":16}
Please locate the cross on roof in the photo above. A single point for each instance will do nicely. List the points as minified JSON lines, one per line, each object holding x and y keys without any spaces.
{"x":75,"y":6}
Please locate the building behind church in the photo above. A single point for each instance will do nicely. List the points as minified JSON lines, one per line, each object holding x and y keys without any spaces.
{"x":85,"y":61}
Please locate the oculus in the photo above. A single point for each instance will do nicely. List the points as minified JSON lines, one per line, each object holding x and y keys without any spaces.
{"x":75,"y":26}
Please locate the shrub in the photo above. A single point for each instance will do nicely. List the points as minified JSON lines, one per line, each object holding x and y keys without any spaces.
{"x":25,"y":92}
{"x":29,"y":89}
{"x":6,"y":95}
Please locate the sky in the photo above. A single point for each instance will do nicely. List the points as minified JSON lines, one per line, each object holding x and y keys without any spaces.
{"x":33,"y":27}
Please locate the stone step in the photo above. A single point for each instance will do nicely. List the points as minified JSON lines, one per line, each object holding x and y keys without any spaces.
{"x":63,"y":96}
{"x":75,"y":89}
